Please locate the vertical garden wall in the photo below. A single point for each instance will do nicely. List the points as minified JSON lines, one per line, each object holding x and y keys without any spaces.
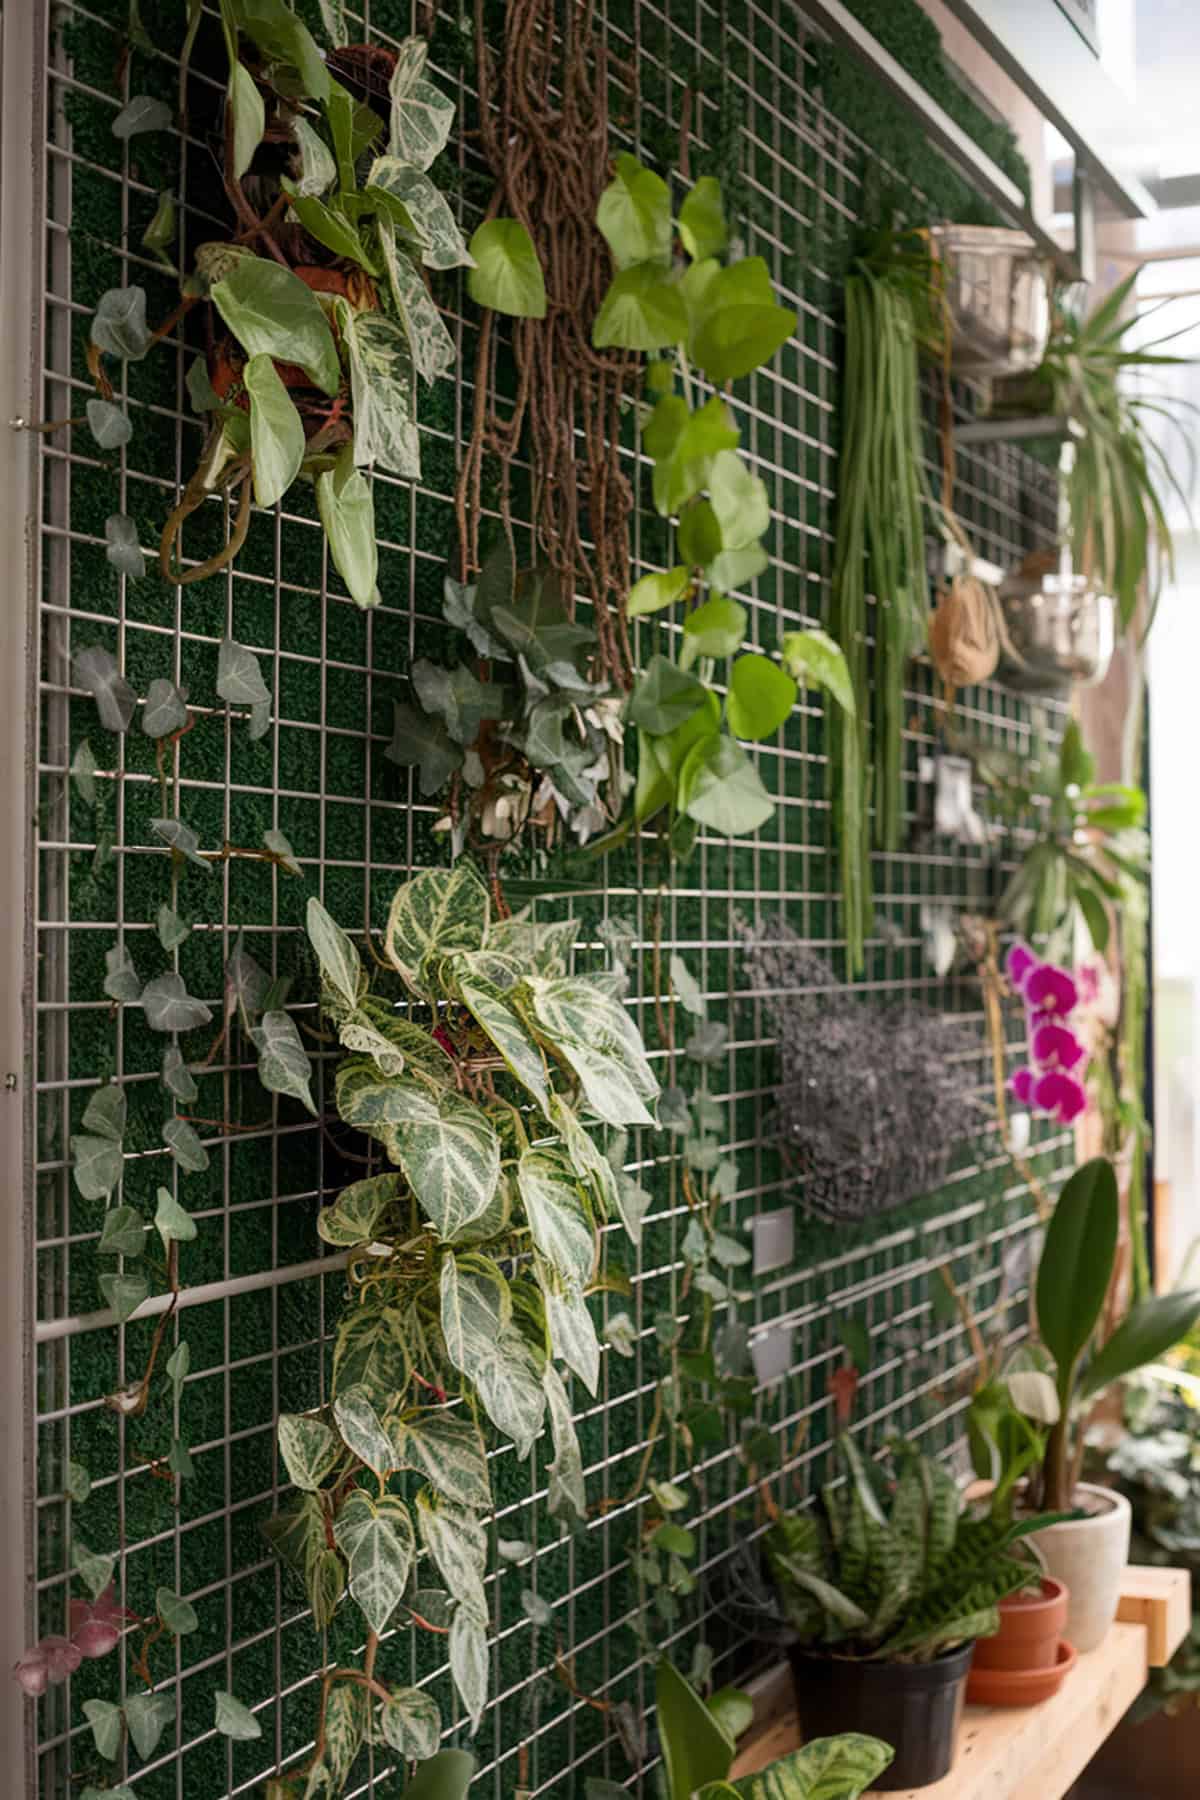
{"x":307,"y":802}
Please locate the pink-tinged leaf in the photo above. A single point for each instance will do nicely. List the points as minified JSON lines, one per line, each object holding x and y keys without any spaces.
{"x":51,"y":1660}
{"x":95,"y":1638}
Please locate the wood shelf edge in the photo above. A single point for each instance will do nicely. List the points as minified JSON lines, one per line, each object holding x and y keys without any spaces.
{"x":1036,"y":1752}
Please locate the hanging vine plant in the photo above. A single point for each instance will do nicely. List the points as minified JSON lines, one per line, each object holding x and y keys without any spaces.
{"x":318,"y":315}
{"x":469,"y":1263}
{"x":544,"y":129}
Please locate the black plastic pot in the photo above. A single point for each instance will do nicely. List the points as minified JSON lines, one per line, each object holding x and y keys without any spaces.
{"x":915,"y":1707}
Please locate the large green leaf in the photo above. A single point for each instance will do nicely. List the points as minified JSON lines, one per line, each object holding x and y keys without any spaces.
{"x":812,"y":656}
{"x":696,"y":1751}
{"x":1076,"y":1264}
{"x":720,"y":787}
{"x":642,"y":310}
{"x":249,"y":117}
{"x":702,"y":220}
{"x":715,"y":629}
{"x":347,"y":512}
{"x":653,"y":592}
{"x":377,"y":1540}
{"x":507,"y":275}
{"x":558,"y":1218}
{"x":272,"y":313}
{"x":665,"y":697}
{"x":435,"y":913}
{"x":684,"y":445}
{"x":1149,"y":1329}
{"x":634,"y":215}
{"x":761,"y":695}
{"x":450,"y":1153}
{"x":447,"y":1776}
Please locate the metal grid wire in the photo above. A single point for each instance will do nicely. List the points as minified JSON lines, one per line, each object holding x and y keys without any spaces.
{"x":259,"y":1306}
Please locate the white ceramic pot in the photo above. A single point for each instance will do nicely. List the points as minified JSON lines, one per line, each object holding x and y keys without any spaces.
{"x":1089,"y":1555}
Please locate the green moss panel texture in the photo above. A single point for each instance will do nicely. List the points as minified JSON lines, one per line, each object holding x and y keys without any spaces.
{"x":798,"y":138}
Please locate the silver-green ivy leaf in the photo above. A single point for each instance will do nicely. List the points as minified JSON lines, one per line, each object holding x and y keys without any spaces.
{"x":181,"y":1140}
{"x":181,"y":840}
{"x":233,"y":1719}
{"x":97,"y":670}
{"x":239,"y":677}
{"x":142,"y":113}
{"x":281,"y":850}
{"x":124,"y":1294}
{"x":147,"y":1716}
{"x":340,"y":962}
{"x":176,"y":1613}
{"x":169,"y":1007}
{"x":121,"y":981}
{"x":687,"y":988}
{"x":109,"y":425}
{"x":173,"y":929}
{"x":104,"y":1717}
{"x":78,"y":1482}
{"x":283,"y":1062}
{"x":123,"y":1232}
{"x":173,"y":1222}
{"x":94,"y":1569}
{"x":119,"y":325}
{"x":123,"y":552}
{"x":165,"y":709}
{"x":621,"y":1332}
{"x":177,"y":1077}
{"x":98,"y":1165}
{"x":178,"y":1364}
{"x":83,"y":772}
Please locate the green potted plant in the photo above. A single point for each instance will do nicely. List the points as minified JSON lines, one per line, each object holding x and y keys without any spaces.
{"x":698,"y":1740}
{"x":887,"y":1592}
{"x":1074,"y":1277}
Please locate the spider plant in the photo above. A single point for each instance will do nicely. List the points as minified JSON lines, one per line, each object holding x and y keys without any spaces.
{"x":1122,"y":476}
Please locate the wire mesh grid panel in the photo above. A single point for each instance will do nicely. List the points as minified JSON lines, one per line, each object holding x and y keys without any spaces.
{"x":184,"y":1470}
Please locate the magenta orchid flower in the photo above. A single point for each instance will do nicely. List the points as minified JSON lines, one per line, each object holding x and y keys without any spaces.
{"x":1022,"y":1084}
{"x":1019,"y":963}
{"x":1049,"y":989}
{"x":1056,"y":1047}
{"x":1060,"y":1095}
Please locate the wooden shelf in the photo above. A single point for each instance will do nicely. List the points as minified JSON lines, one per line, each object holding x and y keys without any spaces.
{"x":1034,"y":1752}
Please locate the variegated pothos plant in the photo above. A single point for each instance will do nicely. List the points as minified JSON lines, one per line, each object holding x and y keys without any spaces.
{"x":469,"y":1261}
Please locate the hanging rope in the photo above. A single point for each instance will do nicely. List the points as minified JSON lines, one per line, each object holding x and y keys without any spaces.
{"x":543,"y":119}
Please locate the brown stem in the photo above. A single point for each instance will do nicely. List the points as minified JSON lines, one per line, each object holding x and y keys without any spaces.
{"x":221,"y":558}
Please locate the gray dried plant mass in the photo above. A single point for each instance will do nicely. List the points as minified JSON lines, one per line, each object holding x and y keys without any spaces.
{"x":873,"y":1096}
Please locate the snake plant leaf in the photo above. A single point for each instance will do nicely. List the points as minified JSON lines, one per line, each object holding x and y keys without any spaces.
{"x":837,"y":1768}
{"x":507,"y":275}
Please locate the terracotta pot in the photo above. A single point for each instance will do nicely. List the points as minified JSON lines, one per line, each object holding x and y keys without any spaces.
{"x":1030,"y":1626}
{"x":1089,"y":1555}
{"x":1021,"y":1687}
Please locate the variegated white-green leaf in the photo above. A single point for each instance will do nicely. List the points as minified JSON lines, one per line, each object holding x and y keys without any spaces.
{"x":442,"y":910}
{"x":318,"y":170}
{"x":283,"y":1062}
{"x":452,"y":1161}
{"x":443,"y":246}
{"x":411,"y":1722}
{"x":411,"y":57}
{"x":468,"y":1645}
{"x":510,"y":1037}
{"x":445,"y":1449}
{"x":457,"y":1542}
{"x":476,"y":1308}
{"x":359,"y":1034}
{"x":571,"y":1327}
{"x":510,"y":1391}
{"x":376,"y":1105}
{"x":491,"y":1223}
{"x":558,"y":1218}
{"x":547,"y":947}
{"x":371,"y":1348}
{"x":381,"y":381}
{"x":587,"y":1159}
{"x":347,"y":512}
{"x":565,"y":1490}
{"x":347,"y":1715}
{"x":601,"y":1043}
{"x":429,"y":342}
{"x":352,"y":1219}
{"x":421,"y":122}
{"x":362,"y":1429}
{"x":169,"y":1007}
{"x":333,"y":20}
{"x":309,"y":1448}
{"x":377,"y":1540}
{"x":340,"y":962}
